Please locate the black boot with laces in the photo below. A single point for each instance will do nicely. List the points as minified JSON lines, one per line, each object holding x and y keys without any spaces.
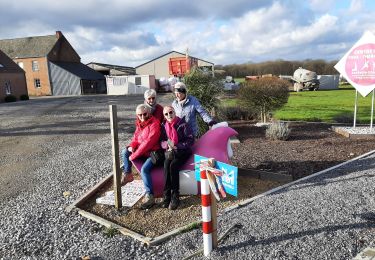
{"x":175,"y":201}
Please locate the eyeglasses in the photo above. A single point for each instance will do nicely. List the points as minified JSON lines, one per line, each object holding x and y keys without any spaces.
{"x":140,"y":115}
{"x":169,"y":113}
{"x":151,"y":98}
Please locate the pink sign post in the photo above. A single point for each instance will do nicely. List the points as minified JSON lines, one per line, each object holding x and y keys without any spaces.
{"x":358,"y":67}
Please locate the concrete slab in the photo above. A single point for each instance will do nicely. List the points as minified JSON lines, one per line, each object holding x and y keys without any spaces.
{"x":366,"y":254}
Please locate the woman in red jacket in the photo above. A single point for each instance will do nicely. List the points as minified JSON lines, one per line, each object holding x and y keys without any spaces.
{"x":145,"y":139}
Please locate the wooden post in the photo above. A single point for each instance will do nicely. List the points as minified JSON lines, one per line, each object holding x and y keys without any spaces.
{"x":211,"y":162}
{"x":355,"y":108}
{"x":115,"y":157}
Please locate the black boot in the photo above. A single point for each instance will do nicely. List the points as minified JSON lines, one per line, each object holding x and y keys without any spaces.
{"x":175,"y":201}
{"x":166,"y":199}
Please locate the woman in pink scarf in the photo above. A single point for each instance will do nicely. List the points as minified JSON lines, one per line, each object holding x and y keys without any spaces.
{"x":177,"y":138}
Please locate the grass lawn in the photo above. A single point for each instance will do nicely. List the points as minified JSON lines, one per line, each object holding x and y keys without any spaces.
{"x":323,"y":105}
{"x":239,"y":80}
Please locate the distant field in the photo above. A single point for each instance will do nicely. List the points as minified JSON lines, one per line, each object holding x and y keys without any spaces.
{"x":323,"y":105}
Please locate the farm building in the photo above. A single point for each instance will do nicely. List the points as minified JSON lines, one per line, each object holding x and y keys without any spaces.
{"x":52,"y":66}
{"x":328,"y":81}
{"x":128,"y":85}
{"x":12,"y":78}
{"x":160,"y":66}
{"x":111,"y":70}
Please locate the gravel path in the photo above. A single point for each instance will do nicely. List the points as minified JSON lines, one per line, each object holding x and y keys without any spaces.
{"x":52,"y":145}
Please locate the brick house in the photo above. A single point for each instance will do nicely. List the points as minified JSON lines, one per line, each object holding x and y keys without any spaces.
{"x":52,"y":66}
{"x":12,"y":78}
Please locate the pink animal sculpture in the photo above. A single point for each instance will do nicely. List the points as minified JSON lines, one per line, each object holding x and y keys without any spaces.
{"x":213,"y":144}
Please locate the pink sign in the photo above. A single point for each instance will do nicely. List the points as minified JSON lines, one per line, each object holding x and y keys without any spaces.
{"x":360,"y":65}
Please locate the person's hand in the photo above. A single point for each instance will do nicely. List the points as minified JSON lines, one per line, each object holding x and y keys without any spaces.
{"x":130,"y":149}
{"x":213,"y":122}
{"x":171,"y":144}
{"x":164,"y":145}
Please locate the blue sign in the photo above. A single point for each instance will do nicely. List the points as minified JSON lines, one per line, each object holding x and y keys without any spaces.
{"x":229,"y":178}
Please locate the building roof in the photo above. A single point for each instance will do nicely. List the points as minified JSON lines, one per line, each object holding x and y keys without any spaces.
{"x":80,"y":70}
{"x":28,"y":47}
{"x":114,"y":67}
{"x":8,"y":65}
{"x":183,"y":54}
{"x":111,"y":66}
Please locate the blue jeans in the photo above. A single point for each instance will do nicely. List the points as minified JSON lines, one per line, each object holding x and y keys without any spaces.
{"x":146,"y":175}
{"x":125,"y":159}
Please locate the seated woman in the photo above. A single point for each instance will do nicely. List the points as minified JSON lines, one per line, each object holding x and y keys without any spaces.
{"x":146,"y":139}
{"x":177,"y":139}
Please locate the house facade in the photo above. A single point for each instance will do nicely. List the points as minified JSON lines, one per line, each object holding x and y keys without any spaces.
{"x":160,"y":65}
{"x":38,"y":57}
{"x":12,"y":78}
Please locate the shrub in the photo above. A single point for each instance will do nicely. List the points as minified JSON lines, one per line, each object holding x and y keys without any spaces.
{"x":228,"y":113}
{"x":24,"y":97}
{"x":264,"y":95}
{"x":344,"y":118}
{"x":10,"y":98}
{"x":206,"y":89}
{"x":278,"y":131}
{"x":110,"y":231}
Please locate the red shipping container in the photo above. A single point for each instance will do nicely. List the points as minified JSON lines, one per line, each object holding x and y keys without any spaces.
{"x":179,"y":66}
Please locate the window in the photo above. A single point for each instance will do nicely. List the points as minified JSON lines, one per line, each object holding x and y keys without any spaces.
{"x":119,"y":81}
{"x":138,"y":81}
{"x":35,"y":65}
{"x":20,"y":64}
{"x":8,"y":89}
{"x":37,"y":83}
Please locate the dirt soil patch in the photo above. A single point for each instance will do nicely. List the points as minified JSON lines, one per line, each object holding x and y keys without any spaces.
{"x":311,"y":147}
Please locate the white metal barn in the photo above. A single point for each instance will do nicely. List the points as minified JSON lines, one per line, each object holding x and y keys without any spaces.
{"x":129,"y":85}
{"x":328,"y":81}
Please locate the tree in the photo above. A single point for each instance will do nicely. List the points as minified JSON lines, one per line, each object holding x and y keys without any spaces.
{"x":206,"y":89}
{"x":264,"y":95}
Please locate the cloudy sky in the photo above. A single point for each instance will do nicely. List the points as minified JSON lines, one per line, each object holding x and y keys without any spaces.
{"x":130,"y":32}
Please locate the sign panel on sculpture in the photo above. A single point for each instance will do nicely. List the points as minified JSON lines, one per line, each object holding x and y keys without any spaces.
{"x":229,"y":174}
{"x":358,"y":64}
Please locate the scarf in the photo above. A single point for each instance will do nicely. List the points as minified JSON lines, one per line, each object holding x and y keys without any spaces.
{"x":152,"y":108}
{"x":144,"y":123}
{"x":171,"y":131}
{"x":182,"y":102}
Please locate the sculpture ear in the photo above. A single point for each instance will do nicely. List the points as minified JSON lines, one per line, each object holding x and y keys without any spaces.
{"x":230,"y":150}
{"x":214,"y":144}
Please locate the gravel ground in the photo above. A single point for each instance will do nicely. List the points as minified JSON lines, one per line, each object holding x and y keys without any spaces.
{"x":52,"y":145}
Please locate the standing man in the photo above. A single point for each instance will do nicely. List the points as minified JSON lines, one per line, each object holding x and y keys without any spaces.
{"x":150,"y":102}
{"x":187,"y":106}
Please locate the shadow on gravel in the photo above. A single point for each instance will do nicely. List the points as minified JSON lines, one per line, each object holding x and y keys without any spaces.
{"x":293,"y":236}
{"x":324,"y":182}
{"x":87,"y":126}
{"x":329,"y":177}
{"x":298,"y":169}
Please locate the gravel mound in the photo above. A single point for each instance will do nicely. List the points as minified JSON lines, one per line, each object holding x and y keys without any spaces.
{"x":358,"y":130}
{"x":329,"y":216}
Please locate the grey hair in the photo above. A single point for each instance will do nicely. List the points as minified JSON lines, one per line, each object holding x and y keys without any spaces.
{"x":143,"y":107}
{"x":150,"y":93}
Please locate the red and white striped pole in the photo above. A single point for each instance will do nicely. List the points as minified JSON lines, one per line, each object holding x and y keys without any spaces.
{"x":206,"y":213}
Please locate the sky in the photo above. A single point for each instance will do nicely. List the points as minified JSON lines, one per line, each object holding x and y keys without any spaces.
{"x":130,"y":32}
